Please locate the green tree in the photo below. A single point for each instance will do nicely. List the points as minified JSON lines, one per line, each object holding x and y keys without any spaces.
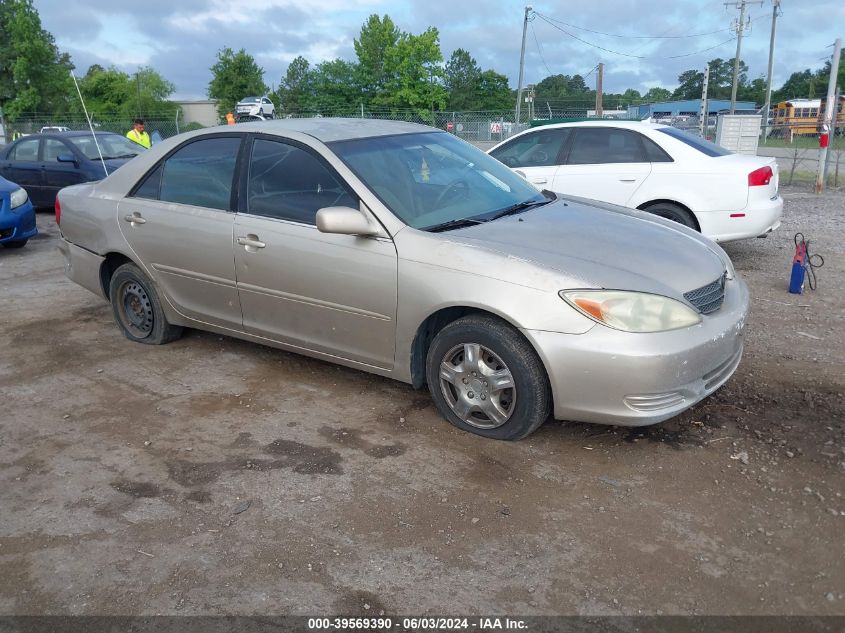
{"x":234,"y":76}
{"x":105,"y":90}
{"x":690,"y":85}
{"x":552,"y":87}
{"x":719,"y":83}
{"x":631,"y":96}
{"x":656,"y":94}
{"x":414,"y":76}
{"x":34,"y":74}
{"x":150,"y":98}
{"x":112,"y":91}
{"x":461,"y":80}
{"x":294,"y":89}
{"x":333,"y":87}
{"x":492,"y":92}
{"x":800,"y":85}
{"x":577,"y":85}
{"x":377,"y":41}
{"x":823,"y":76}
{"x":721,"y":78}
{"x":754,"y":91}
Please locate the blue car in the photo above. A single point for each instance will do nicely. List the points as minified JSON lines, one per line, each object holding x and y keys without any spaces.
{"x":17,"y":215}
{"x":44,"y":163}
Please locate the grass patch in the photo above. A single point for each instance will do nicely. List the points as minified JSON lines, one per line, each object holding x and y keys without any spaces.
{"x":801,"y":177}
{"x":804,"y":142}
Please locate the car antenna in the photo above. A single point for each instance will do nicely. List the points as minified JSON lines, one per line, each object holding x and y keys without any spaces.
{"x":88,"y":118}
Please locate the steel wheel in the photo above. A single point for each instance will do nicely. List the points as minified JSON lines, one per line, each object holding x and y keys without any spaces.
{"x":477,"y":386}
{"x":138,"y":309}
{"x":136,"y":313}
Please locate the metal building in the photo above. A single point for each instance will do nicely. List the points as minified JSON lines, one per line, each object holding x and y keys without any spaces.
{"x":203,"y":112}
{"x":687,"y":107}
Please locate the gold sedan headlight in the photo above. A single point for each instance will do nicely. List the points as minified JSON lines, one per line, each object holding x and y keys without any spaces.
{"x":639,"y":312}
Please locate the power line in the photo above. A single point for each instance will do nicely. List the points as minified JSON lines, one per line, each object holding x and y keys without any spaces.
{"x":632,"y":37}
{"x":704,"y":50}
{"x":539,"y":48}
{"x":608,"y":50}
{"x":602,"y":48}
{"x":591,"y":71}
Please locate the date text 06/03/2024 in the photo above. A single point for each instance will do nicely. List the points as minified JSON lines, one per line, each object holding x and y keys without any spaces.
{"x":416,"y":623}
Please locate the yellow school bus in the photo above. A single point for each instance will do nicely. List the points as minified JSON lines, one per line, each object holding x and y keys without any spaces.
{"x":803,"y":116}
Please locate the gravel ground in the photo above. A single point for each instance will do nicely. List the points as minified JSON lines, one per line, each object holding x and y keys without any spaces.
{"x":215,"y":476}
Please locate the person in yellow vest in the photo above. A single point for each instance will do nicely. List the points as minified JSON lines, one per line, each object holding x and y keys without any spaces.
{"x":138,"y":135}
{"x":230,"y":118}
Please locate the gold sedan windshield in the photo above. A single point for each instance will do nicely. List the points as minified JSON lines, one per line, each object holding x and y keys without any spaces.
{"x":430,"y":179}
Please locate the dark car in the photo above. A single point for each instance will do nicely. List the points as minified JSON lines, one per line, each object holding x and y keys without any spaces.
{"x":44,"y":163}
{"x":17,"y":217}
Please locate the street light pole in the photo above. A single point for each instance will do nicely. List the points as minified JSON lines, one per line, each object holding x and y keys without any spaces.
{"x":528,"y":10}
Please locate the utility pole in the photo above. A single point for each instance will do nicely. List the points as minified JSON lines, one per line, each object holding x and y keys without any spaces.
{"x":138,"y":85}
{"x":529,"y":99}
{"x":740,"y":28}
{"x":835,"y":122}
{"x":431,"y":88}
{"x":599,"y":103}
{"x":528,"y":10}
{"x":703,"y":110}
{"x":768,"y":106}
{"x":829,"y":114}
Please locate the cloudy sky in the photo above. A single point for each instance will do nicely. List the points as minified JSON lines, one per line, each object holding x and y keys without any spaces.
{"x":180,"y":38}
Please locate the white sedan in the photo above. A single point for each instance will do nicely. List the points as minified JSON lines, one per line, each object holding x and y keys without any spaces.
{"x":657,"y":168}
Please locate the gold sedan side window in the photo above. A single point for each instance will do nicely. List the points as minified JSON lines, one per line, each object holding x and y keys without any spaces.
{"x":289,"y":183}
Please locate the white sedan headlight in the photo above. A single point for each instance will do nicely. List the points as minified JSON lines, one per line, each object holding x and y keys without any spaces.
{"x":632,"y":311}
{"x":18,"y":198}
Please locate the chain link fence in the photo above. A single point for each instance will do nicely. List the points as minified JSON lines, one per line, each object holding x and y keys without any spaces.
{"x":799,"y":165}
{"x":796,"y":152}
{"x":472,"y":126}
{"x":118,"y":124}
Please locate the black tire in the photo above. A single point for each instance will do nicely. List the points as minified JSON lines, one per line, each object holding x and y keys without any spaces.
{"x":673,"y":212}
{"x":137,"y":307}
{"x":527,"y":404}
{"x":16,"y":243}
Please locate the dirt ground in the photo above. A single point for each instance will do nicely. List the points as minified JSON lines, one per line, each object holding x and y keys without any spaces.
{"x":213,"y":476}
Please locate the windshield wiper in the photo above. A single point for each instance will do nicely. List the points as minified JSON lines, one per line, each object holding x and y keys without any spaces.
{"x":452,"y":224}
{"x":118,"y":156}
{"x":519,"y":207}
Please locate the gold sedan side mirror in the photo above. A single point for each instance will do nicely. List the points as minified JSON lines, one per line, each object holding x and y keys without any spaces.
{"x":344,"y":221}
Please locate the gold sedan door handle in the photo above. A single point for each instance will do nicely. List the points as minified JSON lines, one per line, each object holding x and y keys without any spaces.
{"x":134,"y":218}
{"x":251,"y":242}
